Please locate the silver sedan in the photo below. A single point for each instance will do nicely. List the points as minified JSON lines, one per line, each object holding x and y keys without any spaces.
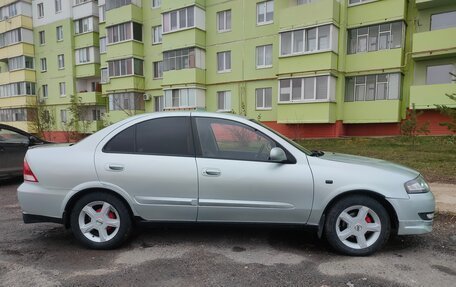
{"x":204,"y":167}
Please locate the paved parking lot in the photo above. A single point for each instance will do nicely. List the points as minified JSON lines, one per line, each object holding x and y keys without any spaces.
{"x":47,"y":255}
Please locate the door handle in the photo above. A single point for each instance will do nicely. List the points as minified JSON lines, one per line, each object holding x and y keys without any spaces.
{"x":115,"y":167}
{"x":211,"y":172}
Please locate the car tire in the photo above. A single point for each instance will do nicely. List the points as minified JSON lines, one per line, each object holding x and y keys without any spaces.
{"x":357,"y":225}
{"x":100,"y":221}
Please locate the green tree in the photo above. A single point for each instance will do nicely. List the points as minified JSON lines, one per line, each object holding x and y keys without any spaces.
{"x":411,"y":128}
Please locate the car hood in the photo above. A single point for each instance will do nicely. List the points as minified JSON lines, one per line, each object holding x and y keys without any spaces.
{"x":371,"y":163}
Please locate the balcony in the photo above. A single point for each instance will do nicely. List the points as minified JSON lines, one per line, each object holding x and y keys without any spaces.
{"x":16,"y":50}
{"x":377,"y":11}
{"x":427,"y":96}
{"x":18,"y":101}
{"x":91,"y":98}
{"x":88,"y":70}
{"x":125,"y":49}
{"x":184,"y":76}
{"x":85,"y":10}
{"x":17,"y":76}
{"x":124,"y":14}
{"x":379,"y":60}
{"x":308,"y":63}
{"x":185,"y":38}
{"x":434,"y":43}
{"x":176,"y":4}
{"x":372,"y":112}
{"x":86,"y":40}
{"x":16,"y":22}
{"x":425,"y":4}
{"x":297,"y":16}
{"x":126,"y":83}
{"x":306,"y":113}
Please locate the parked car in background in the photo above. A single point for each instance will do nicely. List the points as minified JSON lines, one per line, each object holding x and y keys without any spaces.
{"x":13,"y":146}
{"x":213,"y":167}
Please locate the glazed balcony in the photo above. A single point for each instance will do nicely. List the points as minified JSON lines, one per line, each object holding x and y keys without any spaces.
{"x":86,"y":40}
{"x":16,"y":50}
{"x":296,"y":16}
{"x":426,"y":4}
{"x":376,"y":11}
{"x":88,"y":70}
{"x":18,"y":101}
{"x":125,"y":49}
{"x":124,"y":83}
{"x":184,"y":76}
{"x":91,"y":98}
{"x":434,"y":43}
{"x":306,"y":113}
{"x":308,"y":63}
{"x":25,"y":126}
{"x":86,"y":9}
{"x":17,"y":76}
{"x":387,"y":111}
{"x":124,"y":14}
{"x":378,"y":60}
{"x":184,"y":38}
{"x":427,"y":96}
{"x":16,"y":22}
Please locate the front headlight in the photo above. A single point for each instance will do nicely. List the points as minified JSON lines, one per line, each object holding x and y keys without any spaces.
{"x":417,"y":185}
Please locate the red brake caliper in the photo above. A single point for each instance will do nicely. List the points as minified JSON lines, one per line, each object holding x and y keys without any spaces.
{"x":368,"y":219}
{"x":110,"y":215}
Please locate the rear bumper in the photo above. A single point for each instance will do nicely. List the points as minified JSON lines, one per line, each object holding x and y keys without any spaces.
{"x":408,"y":213}
{"x":31,"y":218}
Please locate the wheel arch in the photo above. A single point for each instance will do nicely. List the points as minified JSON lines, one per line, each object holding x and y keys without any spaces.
{"x":380,"y":198}
{"x":75,"y":197}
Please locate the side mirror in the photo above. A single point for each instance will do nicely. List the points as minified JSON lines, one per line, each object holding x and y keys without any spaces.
{"x":278,"y":155}
{"x":33,"y":140}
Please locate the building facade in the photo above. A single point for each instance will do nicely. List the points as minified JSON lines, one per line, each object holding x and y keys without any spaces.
{"x":308,"y":68}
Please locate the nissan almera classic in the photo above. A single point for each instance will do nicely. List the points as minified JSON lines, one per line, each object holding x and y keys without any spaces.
{"x":205,"y":167}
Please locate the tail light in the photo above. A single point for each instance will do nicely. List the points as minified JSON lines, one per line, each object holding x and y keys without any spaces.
{"x":28,"y":173}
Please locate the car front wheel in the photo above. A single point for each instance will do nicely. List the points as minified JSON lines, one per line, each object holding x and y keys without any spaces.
{"x":100,"y":221}
{"x":357,"y":225}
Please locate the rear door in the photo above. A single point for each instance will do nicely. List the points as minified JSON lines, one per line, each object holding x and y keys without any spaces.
{"x":154,"y":162}
{"x":13,"y":147}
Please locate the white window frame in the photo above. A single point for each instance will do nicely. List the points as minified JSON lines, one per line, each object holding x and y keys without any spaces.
{"x":42,"y":37}
{"x":102,"y":13}
{"x":59,"y":33}
{"x":226,"y":95}
{"x":155,"y":4}
{"x":225,"y":69}
{"x":62,"y":89}
{"x":43,"y":64}
{"x":61,"y":61}
{"x":378,"y":82}
{"x":84,"y":55}
{"x":104,"y":75}
{"x":58,"y":6}
{"x":45,"y":91}
{"x":263,"y":95}
{"x":304,"y":41}
{"x":302,"y":94}
{"x":103,"y":44}
{"x":224,"y":14}
{"x":166,"y":17}
{"x":89,"y":23}
{"x":159,"y":64}
{"x":63,"y":116}
{"x":40,"y":9}
{"x":264,"y":48}
{"x":266,"y":5}
{"x":158,"y":107}
{"x":157,"y":34}
{"x":360,"y":2}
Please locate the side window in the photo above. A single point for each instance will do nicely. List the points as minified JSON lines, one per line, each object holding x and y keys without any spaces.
{"x":11,"y":137}
{"x":231,"y":140}
{"x":165,"y":136}
{"x":123,"y":142}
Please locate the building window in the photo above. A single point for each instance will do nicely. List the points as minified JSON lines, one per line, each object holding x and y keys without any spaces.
{"x":15,"y":36}
{"x":16,"y":115}
{"x":40,"y":8}
{"x":83,"y":55}
{"x":302,"y":2}
{"x":58,"y":6}
{"x":263,"y":98}
{"x":11,"y":10}
{"x":264,"y":56}
{"x":224,"y":61}
{"x":375,"y":38}
{"x":104,"y":75}
{"x":224,"y":101}
{"x":156,"y":3}
{"x":307,"y":40}
{"x":179,"y":19}
{"x":180,"y":98}
{"x":59,"y":33}
{"x":187,"y":58}
{"x":308,"y":89}
{"x":265,"y":12}
{"x":113,"y":4}
{"x":17,"y":89}
{"x":21,"y":62}
{"x":61,"y":61}
{"x":440,"y":74}
{"x":124,"y":32}
{"x":224,"y":21}
{"x":353,"y":2}
{"x":43,"y":62}
{"x":42,"y":37}
{"x":83,"y":25}
{"x":157,"y":34}
{"x":62,"y":89}
{"x":158,"y":104}
{"x":44,"y":91}
{"x":125,"y":67}
{"x":373,"y":88}
{"x":158,"y":70}
{"x":102,"y":13}
{"x":103,"y":45}
{"x":443,"y":20}
{"x":126,"y":102}
{"x":63,"y":116}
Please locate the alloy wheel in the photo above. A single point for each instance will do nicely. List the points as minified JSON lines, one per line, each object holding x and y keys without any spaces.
{"x":99,"y":221}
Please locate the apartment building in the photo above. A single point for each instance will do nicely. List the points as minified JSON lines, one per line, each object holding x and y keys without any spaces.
{"x":308,"y":68}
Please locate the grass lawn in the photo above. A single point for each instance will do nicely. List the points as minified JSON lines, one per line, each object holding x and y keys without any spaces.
{"x":434,"y":157}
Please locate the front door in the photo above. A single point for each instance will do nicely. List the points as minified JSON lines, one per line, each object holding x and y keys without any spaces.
{"x":13,"y":147}
{"x":238,"y":183}
{"x":154,"y":162}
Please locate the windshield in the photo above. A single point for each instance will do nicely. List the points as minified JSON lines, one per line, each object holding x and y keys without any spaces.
{"x":304,"y":150}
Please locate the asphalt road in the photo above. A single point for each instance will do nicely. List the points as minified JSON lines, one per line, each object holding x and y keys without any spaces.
{"x":47,"y":255}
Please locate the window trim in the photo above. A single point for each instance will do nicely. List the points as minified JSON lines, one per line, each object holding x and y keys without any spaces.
{"x":302,"y":99}
{"x":264,"y":66}
{"x":63,"y":61}
{"x":362,"y":2}
{"x":225,"y":110}
{"x":225,"y":70}
{"x":257,"y":13}
{"x":316,"y":51}
{"x":439,"y":13}
{"x":224,"y":12}
{"x":178,"y":19}
{"x":264,"y":97}
{"x":40,"y":9}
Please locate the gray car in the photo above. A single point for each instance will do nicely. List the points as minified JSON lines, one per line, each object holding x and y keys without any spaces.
{"x":205,"y":167}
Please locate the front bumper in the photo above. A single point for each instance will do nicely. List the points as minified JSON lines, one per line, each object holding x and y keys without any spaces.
{"x":408,"y":211}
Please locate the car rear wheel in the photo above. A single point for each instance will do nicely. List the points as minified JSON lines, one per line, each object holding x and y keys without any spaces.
{"x":357,"y":225}
{"x":100,"y":221}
